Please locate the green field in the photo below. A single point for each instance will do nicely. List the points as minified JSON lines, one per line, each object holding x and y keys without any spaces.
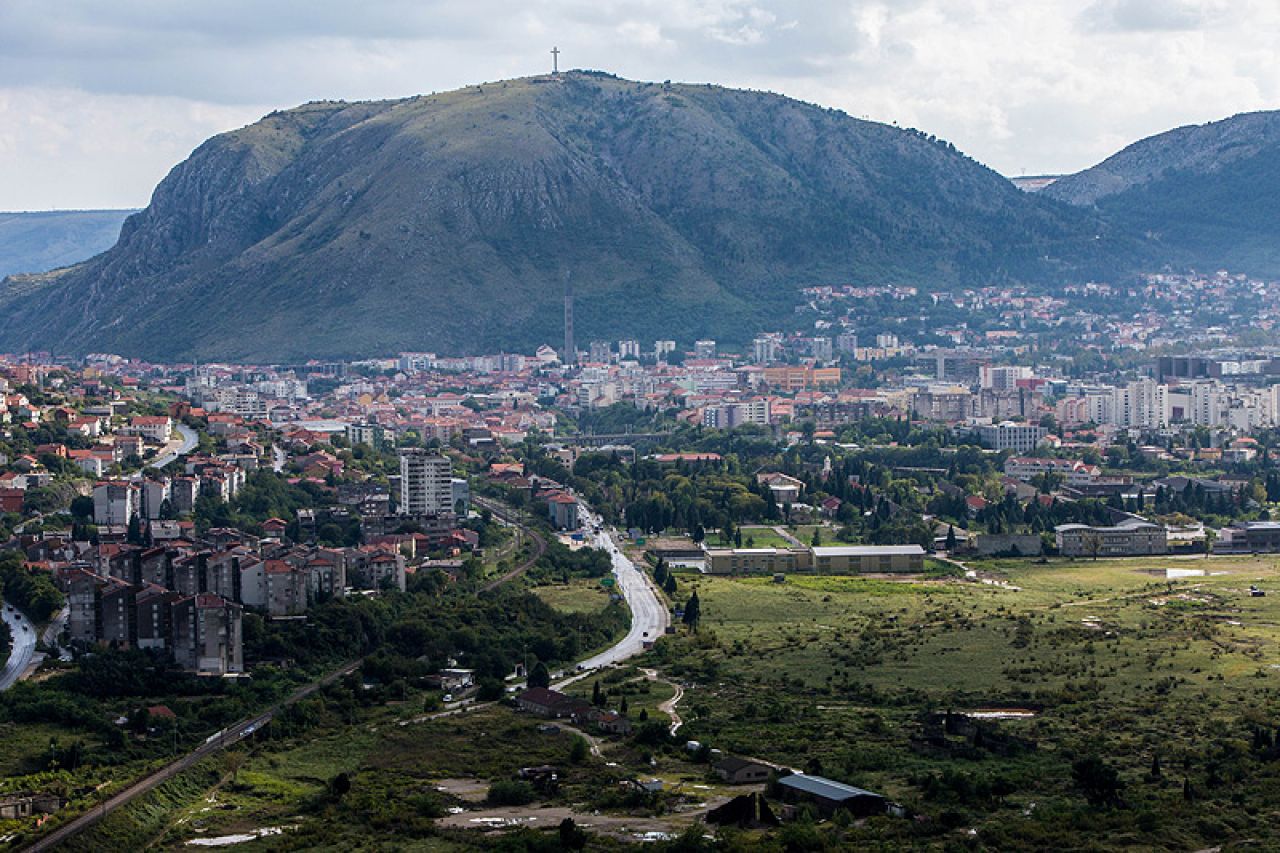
{"x":583,"y":595}
{"x":763,"y":537}
{"x":842,"y":673}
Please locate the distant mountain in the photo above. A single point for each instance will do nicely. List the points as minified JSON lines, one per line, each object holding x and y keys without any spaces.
{"x":38,"y":242}
{"x":1206,"y":195}
{"x":449,"y":222}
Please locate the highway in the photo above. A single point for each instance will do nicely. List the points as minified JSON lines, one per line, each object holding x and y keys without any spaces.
{"x":24,"y":646}
{"x":184,"y":444}
{"x":649,"y":616}
{"x":227,"y":737}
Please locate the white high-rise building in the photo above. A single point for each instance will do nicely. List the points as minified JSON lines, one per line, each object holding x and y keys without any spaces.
{"x":115,"y":503}
{"x":1206,"y":404}
{"x":767,"y":349}
{"x":705,"y":348}
{"x":426,"y":483}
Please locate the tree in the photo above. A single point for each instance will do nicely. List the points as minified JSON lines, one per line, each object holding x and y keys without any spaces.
{"x":539,"y":676}
{"x":571,"y":837}
{"x":951,"y":538}
{"x":1092,"y":542}
{"x":698,"y":534}
{"x":135,"y":530}
{"x":82,"y":507}
{"x":597,"y":697}
{"x":693,"y":611}
{"x":669,"y":585}
{"x":1098,"y":781}
{"x":340,"y":785}
{"x":579,"y":751}
{"x":622,"y":706}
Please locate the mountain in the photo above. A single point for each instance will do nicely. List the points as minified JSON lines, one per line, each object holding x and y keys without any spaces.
{"x":448,"y":223}
{"x":1205,"y":195}
{"x":37,"y":242}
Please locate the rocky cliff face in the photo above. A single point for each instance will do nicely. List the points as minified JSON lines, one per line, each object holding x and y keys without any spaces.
{"x":448,"y":222}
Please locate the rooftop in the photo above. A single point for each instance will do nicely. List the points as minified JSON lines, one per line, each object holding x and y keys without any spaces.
{"x":868,"y":551}
{"x":826,"y":788}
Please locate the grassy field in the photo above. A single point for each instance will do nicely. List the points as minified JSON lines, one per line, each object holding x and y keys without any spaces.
{"x":1115,"y":660}
{"x":763,"y":537}
{"x":583,"y":595}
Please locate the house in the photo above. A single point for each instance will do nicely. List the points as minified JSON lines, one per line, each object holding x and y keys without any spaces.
{"x":158,"y":428}
{"x":563,"y":511}
{"x":28,"y":805}
{"x":830,"y":796}
{"x":613,"y":723}
{"x":741,"y":771}
{"x":545,"y":702}
{"x":786,"y":490}
{"x":11,"y":500}
{"x":275,"y":527}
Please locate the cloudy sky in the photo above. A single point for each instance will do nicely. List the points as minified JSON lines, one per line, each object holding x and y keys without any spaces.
{"x":98,"y":100}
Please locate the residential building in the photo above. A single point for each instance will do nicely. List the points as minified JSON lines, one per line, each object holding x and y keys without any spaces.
{"x":426,"y":483}
{"x":115,"y":503}
{"x":1020,"y":438}
{"x":741,"y":771}
{"x":207,"y":634}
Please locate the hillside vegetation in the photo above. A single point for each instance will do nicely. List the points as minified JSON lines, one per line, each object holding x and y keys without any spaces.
{"x":1206,"y":196}
{"x":448,"y":222}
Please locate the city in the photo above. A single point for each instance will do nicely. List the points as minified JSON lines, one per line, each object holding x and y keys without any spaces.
{"x":736,"y":427}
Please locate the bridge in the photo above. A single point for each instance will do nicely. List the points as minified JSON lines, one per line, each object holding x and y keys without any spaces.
{"x":602,"y":439}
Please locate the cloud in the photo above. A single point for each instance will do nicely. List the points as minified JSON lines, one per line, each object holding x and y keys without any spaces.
{"x":99,"y":100}
{"x":1150,"y":15}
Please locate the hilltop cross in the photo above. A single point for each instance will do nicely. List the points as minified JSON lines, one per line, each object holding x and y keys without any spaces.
{"x":555,"y":60}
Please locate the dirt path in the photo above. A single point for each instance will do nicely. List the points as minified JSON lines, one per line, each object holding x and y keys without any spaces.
{"x":782,"y":531}
{"x":625,"y":827}
{"x":669,"y":708}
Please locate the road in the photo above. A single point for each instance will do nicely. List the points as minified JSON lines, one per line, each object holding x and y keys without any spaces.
{"x":24,"y":646}
{"x":649,"y":616}
{"x":180,"y":446}
{"x":279,"y":458}
{"x":227,"y":737}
